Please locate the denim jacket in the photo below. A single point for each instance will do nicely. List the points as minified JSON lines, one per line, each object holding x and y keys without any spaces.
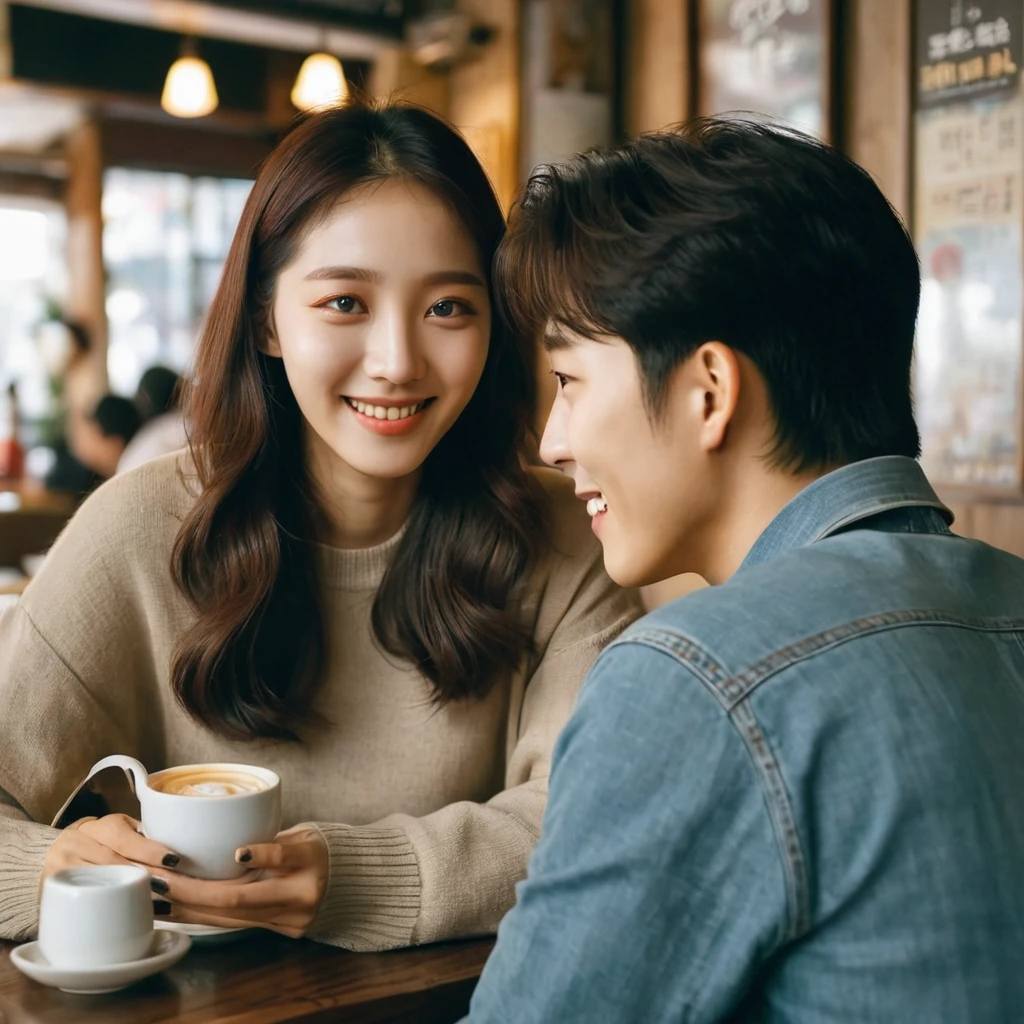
{"x":795,"y":798}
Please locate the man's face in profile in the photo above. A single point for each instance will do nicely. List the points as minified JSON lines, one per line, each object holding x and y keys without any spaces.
{"x":640,"y":477}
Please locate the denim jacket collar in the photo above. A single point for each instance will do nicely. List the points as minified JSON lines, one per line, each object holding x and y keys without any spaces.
{"x":843,"y":497}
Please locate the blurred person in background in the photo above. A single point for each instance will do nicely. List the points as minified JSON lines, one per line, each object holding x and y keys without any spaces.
{"x":12,"y":454}
{"x":163,"y":424}
{"x":65,"y":346}
{"x":105,"y":434}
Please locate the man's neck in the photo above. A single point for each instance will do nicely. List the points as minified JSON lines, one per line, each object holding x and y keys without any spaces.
{"x":756,"y":497}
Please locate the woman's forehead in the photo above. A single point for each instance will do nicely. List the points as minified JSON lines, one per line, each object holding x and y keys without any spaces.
{"x":397,"y":225}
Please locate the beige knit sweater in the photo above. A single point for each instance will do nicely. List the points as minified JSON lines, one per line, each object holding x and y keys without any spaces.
{"x":429,"y":816}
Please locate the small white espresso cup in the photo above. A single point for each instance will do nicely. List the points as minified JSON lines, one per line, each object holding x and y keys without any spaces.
{"x":204,"y":831}
{"x":95,"y":915}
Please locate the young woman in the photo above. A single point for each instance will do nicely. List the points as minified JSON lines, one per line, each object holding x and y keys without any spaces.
{"x":353,"y":579}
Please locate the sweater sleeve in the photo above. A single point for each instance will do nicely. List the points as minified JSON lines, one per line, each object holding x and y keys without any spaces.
{"x":23,"y":848}
{"x":37,"y":691}
{"x":69,"y":648}
{"x":405,"y":880}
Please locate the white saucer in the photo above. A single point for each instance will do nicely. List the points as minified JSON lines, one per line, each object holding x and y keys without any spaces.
{"x":168,"y":948}
{"x":203,"y":934}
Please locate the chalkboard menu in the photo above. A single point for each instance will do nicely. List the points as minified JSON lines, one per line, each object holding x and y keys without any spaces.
{"x":967,"y":50}
{"x":770,"y":57}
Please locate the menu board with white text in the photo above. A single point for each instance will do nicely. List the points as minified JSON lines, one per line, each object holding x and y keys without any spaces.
{"x":769,"y":57}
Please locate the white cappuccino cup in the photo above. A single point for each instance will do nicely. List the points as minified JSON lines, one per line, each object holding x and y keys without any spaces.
{"x":205,"y":812}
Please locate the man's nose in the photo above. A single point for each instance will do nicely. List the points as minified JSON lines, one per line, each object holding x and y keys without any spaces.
{"x":554,"y":444}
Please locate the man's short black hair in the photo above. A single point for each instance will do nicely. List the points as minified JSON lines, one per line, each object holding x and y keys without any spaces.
{"x":116,"y":417}
{"x":736,"y":231}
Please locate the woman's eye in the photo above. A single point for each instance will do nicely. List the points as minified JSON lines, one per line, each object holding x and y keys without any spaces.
{"x":561,"y":378}
{"x":345,"y":304}
{"x":447,"y":308}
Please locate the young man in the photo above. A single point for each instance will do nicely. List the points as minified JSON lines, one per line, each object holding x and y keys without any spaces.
{"x":798,"y":795}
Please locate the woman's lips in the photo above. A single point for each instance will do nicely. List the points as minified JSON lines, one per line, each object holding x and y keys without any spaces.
{"x":398,"y":419}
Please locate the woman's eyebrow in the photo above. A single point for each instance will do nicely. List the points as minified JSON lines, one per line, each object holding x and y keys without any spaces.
{"x":343,"y":274}
{"x":373,"y":277}
{"x":455,"y":277}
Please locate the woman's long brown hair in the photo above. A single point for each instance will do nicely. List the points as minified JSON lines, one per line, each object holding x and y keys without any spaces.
{"x":251,"y":663}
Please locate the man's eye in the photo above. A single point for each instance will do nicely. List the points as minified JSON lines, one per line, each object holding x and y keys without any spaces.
{"x":561,"y":378}
{"x":448,"y":308}
{"x":345,"y":304}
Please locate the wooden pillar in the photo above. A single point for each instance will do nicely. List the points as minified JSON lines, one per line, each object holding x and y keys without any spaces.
{"x":657,"y":80}
{"x":877,"y":87}
{"x":86,"y":293}
{"x":485,"y":96}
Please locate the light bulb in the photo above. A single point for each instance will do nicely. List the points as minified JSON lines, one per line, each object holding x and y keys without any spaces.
{"x":320,"y":82}
{"x":189,"y":90}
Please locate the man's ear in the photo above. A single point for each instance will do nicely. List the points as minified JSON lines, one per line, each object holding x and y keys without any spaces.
{"x":717,"y":374}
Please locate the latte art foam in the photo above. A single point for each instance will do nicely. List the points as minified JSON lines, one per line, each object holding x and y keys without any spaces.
{"x":206,"y":782}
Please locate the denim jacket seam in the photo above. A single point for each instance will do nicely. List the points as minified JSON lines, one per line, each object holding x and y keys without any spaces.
{"x":688,"y":652}
{"x":731,"y":688}
{"x":696,"y":659}
{"x":740,"y":685}
{"x":781,"y":814}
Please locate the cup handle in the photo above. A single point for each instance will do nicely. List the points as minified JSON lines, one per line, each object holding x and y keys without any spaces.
{"x":135,"y":770}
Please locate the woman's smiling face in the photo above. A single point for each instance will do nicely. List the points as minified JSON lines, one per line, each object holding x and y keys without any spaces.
{"x":383,"y":322}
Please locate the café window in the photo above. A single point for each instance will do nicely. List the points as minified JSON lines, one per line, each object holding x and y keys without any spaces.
{"x":165,"y":238}
{"x":33,"y":280}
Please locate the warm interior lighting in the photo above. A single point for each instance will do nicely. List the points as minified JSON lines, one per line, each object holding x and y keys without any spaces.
{"x":320,"y":82}
{"x":189,"y":90}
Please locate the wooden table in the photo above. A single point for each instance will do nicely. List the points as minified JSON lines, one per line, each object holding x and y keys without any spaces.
{"x":32,"y":496}
{"x":30,"y":520}
{"x":266,"y":979}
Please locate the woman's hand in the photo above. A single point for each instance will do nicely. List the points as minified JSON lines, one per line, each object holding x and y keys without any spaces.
{"x":282,"y":891}
{"x":112,"y":839}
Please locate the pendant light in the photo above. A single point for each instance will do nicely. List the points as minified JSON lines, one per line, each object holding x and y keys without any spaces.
{"x":189,"y":90}
{"x":320,"y":82}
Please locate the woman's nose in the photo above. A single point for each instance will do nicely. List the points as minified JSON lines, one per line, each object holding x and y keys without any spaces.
{"x":393,"y":351}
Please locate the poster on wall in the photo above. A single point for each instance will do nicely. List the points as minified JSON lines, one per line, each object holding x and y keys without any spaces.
{"x":969,"y":231}
{"x":568,"y":79}
{"x":967,"y":50}
{"x":770,"y":57}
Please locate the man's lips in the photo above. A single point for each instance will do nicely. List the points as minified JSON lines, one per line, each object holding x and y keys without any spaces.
{"x":596,"y":504}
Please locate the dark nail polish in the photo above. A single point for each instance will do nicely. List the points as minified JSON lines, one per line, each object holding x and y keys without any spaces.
{"x":244,"y":858}
{"x":171,"y":860}
{"x":161,"y":908}
{"x":160,"y":886}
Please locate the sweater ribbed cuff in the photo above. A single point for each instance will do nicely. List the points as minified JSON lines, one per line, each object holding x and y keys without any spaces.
{"x":23,"y":849}
{"x":373,"y":894}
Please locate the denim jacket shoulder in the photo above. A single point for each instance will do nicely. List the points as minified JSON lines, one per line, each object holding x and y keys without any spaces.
{"x":809,"y":601}
{"x":799,"y":619}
